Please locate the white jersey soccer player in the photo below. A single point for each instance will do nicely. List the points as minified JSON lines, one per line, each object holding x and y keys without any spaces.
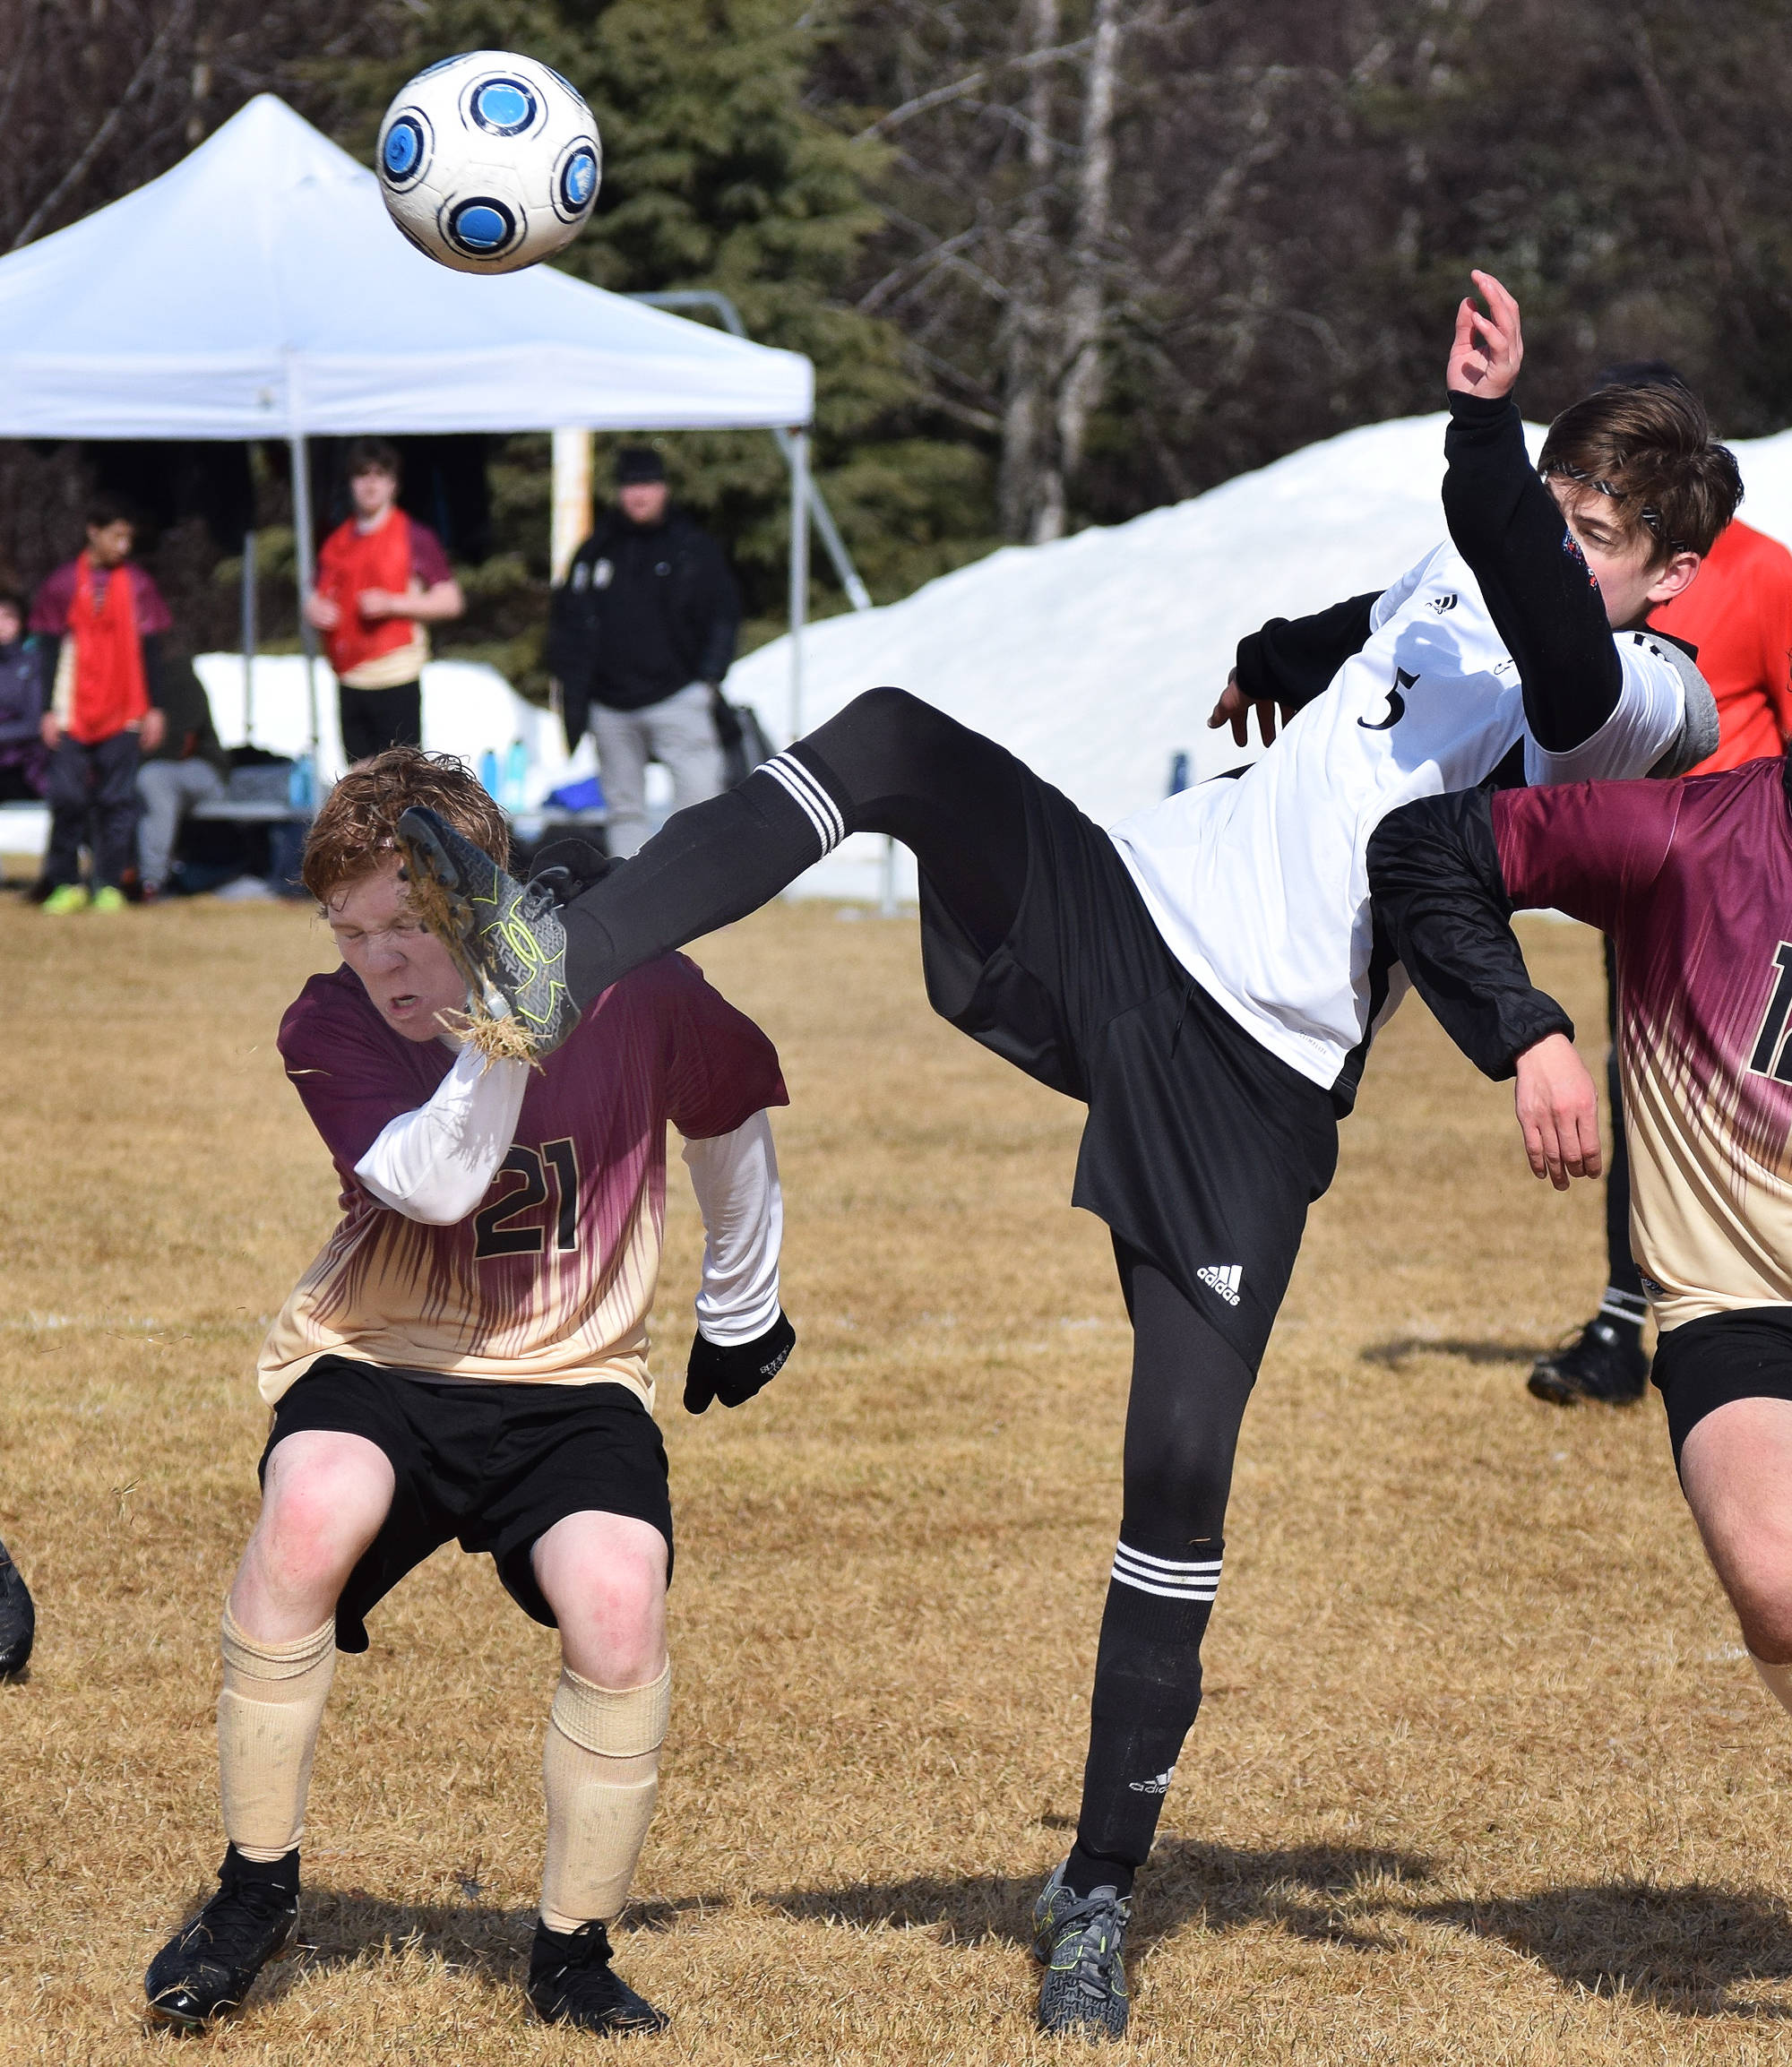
{"x":1206,"y":976}
{"x":1259,"y":884}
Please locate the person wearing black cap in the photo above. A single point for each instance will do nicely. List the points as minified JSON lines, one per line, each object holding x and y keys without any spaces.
{"x":641,"y":630}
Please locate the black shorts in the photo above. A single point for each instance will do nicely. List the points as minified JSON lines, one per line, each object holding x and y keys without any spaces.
{"x":1202,"y":1150}
{"x":1704,"y":1364}
{"x":492,"y":1465}
{"x":372,"y":719}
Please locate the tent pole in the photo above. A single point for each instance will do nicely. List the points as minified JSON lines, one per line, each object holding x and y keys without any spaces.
{"x":249,"y":637}
{"x":301,"y":524}
{"x":799,"y":569}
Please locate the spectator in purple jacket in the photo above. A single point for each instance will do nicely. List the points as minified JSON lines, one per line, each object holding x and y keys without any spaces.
{"x":23,"y":756}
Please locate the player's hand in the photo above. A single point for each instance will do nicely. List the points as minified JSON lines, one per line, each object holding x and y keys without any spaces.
{"x":375,"y":604}
{"x":322,"y":612}
{"x":49,"y":731}
{"x":734,"y":1375}
{"x":1558,"y":1112}
{"x":153,"y":730}
{"x":1235,"y":708}
{"x":1488,"y":349}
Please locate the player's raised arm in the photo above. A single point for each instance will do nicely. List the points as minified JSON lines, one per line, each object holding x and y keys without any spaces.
{"x":1542,"y":597}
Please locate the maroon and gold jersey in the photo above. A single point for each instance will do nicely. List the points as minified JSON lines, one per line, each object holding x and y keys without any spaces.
{"x":551,"y":1277}
{"x":1693,"y":880}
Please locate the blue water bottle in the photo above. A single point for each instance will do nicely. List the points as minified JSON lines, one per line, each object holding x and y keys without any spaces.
{"x":1178,"y":774}
{"x":515,"y":778}
{"x":488,"y":774}
{"x":301,"y":784}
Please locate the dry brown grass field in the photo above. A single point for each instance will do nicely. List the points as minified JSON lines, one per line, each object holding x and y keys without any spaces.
{"x":1482,"y":1775}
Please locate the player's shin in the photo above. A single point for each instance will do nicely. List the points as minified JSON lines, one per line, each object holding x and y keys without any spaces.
{"x":269,"y":1714}
{"x":708,"y":867}
{"x":602,"y":1771}
{"x":1147,"y":1691}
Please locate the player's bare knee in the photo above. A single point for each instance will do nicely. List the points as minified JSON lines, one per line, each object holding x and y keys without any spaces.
{"x":321,"y":1508}
{"x":1758,"y":1582}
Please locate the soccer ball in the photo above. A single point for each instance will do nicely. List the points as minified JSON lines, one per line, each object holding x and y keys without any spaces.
{"x":489,"y":161}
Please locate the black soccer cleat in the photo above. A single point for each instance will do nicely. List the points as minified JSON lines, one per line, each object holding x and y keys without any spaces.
{"x":502,"y":936}
{"x":1078,"y":1940}
{"x":1599,"y":1365}
{"x":209,"y":1965}
{"x":18,"y":1619}
{"x":570,"y":1981}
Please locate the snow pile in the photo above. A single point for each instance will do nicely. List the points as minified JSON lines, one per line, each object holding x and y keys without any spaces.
{"x":1099,"y":657}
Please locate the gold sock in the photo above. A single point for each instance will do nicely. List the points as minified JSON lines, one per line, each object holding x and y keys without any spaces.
{"x":1777,"y":1679}
{"x":601,"y":1770}
{"x":267,"y":1718}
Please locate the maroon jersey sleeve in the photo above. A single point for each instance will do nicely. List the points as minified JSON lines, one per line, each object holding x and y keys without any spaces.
{"x":152,"y":612}
{"x":719,"y":1068}
{"x":1584,"y":847}
{"x":352,"y":1072}
{"x":428,"y":562}
{"x":51,"y":606}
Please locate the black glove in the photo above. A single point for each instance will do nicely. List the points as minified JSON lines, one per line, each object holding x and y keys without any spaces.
{"x":564,"y":869}
{"x":734,"y":1375}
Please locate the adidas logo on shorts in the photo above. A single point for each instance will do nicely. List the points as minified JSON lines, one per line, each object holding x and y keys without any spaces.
{"x":1224,"y":1278}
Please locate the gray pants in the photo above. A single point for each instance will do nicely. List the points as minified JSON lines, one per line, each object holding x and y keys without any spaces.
{"x":168,"y":789}
{"x":678,"y":732}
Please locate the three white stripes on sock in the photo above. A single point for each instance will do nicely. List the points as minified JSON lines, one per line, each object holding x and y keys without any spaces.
{"x":1167,"y":1578}
{"x":821,"y":810}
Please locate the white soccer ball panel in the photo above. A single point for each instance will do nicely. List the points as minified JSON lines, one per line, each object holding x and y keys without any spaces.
{"x":489,"y":161}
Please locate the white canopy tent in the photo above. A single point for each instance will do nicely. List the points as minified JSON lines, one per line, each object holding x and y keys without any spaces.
{"x":260,"y":290}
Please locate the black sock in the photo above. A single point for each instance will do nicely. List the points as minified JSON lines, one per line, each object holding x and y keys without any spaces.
{"x":708,"y":867}
{"x":1147,"y":1691}
{"x":277,"y":1877}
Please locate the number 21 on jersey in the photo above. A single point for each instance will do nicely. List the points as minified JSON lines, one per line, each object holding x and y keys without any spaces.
{"x":493,"y":1229}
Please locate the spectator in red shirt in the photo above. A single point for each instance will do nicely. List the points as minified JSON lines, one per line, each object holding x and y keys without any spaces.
{"x":1737,"y":618}
{"x":382,"y":579}
{"x":103,"y":619}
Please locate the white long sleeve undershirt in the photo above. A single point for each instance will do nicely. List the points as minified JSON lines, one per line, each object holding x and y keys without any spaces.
{"x":735,"y":1179}
{"x":436,"y":1164}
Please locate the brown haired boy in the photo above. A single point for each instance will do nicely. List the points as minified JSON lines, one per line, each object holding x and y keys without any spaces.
{"x":382,"y":579}
{"x":1207,"y":975}
{"x":466,"y":1358}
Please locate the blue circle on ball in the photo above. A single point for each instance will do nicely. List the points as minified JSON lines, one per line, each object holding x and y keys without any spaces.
{"x":580,"y":179}
{"x":481,"y":224}
{"x":504,"y":106}
{"x":403,"y":148}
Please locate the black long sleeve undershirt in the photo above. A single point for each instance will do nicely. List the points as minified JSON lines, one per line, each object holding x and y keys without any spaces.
{"x":1438,"y":893}
{"x":1540,"y":592}
{"x":151,"y":644}
{"x":1291,"y":660}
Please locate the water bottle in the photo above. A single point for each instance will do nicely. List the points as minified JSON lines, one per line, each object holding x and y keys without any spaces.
{"x":515,"y":778}
{"x":488,"y":774}
{"x":1178,"y":774}
{"x":301,"y":784}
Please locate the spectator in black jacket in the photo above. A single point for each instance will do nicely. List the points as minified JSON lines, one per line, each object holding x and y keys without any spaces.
{"x":641,"y":633}
{"x":23,"y":756}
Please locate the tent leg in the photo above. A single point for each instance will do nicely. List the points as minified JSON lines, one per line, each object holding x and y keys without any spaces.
{"x":249,"y":638}
{"x":799,"y":570}
{"x":301,"y":524}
